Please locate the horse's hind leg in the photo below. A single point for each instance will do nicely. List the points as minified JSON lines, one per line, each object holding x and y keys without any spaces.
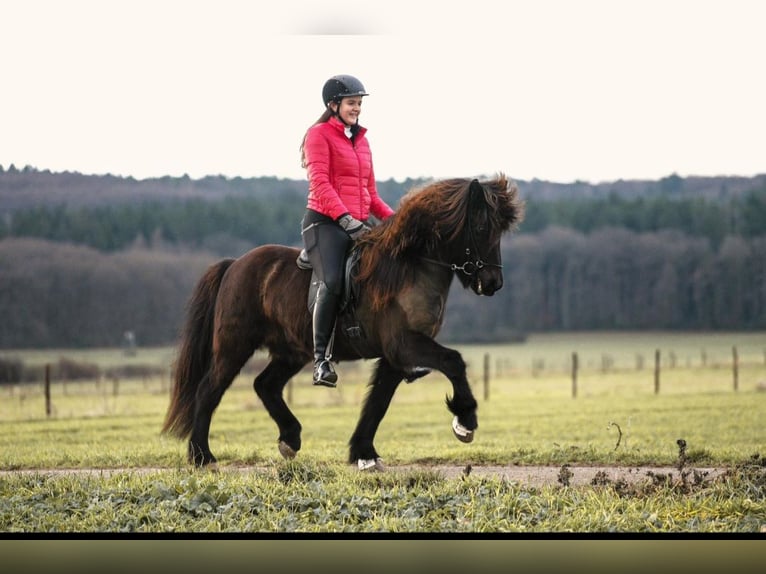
{"x":208,"y":397}
{"x":207,"y":400}
{"x":383,"y":385}
{"x":269,"y":386}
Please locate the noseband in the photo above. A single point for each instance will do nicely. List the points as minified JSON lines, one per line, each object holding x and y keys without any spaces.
{"x":469,"y":267}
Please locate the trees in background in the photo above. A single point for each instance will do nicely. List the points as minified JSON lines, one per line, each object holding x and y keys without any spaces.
{"x":63,"y":295}
{"x":60,"y":295}
{"x":76,"y":274}
{"x":561,"y":279}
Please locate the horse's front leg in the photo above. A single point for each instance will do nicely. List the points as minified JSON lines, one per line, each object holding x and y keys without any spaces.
{"x":383,"y":384}
{"x":423,"y":351}
{"x":269,"y":386}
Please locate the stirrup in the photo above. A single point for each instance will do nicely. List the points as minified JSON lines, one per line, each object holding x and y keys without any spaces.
{"x":324,"y":374}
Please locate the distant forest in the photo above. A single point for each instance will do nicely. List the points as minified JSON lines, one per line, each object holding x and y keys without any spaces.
{"x":85,"y":258}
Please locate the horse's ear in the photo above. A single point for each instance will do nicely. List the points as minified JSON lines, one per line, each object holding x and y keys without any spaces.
{"x":475,"y":189}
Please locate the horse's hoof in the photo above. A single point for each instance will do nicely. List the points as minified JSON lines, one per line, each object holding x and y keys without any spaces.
{"x":370,"y":464}
{"x":462,"y":433}
{"x":286,"y":450}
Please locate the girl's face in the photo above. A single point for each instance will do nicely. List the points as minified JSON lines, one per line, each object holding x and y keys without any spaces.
{"x":349,"y":109}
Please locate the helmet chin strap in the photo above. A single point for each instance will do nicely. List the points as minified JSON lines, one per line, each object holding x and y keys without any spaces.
{"x":351,"y":128}
{"x":336,"y":113}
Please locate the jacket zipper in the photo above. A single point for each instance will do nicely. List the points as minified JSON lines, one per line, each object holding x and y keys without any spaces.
{"x":359,"y":168}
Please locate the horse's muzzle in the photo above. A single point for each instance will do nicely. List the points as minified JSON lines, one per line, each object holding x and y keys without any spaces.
{"x":487,"y":282}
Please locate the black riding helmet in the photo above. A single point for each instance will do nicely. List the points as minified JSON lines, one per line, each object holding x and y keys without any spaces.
{"x":342,"y":86}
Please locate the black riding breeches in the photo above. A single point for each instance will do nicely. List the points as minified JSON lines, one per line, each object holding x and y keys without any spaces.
{"x":326,"y":244}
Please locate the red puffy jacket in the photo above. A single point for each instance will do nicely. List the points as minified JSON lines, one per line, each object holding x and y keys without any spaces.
{"x":340,"y":173}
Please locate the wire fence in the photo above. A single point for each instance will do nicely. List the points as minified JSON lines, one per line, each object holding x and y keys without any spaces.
{"x":501,"y":369}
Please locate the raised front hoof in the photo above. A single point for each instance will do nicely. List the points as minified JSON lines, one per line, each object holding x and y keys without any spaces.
{"x":370,"y":465}
{"x":286,"y":450}
{"x":463,"y":434}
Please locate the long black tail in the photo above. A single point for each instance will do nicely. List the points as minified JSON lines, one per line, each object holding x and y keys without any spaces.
{"x":195,"y":351}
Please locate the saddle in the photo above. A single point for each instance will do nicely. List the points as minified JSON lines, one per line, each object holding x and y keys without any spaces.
{"x":349,"y":295}
{"x":347,"y":320}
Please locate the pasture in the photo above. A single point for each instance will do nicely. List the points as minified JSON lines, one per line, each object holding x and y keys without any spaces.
{"x":527,"y":417}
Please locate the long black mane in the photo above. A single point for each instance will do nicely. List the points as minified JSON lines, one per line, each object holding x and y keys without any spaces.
{"x":428,"y":218}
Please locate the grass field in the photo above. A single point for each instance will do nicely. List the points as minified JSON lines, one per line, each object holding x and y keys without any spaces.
{"x":527,"y":414}
{"x":529,"y":417}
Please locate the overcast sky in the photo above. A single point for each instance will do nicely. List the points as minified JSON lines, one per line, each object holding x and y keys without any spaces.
{"x":551,"y":89}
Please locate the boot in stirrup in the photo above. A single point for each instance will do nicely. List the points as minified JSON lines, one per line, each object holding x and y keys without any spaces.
{"x":324,"y":335}
{"x":324,"y":373}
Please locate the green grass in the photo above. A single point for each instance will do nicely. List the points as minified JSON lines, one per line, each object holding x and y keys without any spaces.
{"x":535,"y":421}
{"x":311,"y":497}
{"x":529,"y":418}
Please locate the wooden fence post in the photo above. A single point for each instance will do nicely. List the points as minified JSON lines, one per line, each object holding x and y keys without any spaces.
{"x":657,"y":372}
{"x":735,"y":366}
{"x":47,"y":390}
{"x":575,"y":366}
{"x":486,"y":376}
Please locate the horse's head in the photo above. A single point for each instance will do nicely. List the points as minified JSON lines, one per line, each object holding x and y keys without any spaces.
{"x":456,"y":224}
{"x":489,"y":209}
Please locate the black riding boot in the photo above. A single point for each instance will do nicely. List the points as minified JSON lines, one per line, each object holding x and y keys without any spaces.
{"x":325,"y":307}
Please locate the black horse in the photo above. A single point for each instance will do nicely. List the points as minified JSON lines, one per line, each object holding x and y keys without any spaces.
{"x":450,"y":228}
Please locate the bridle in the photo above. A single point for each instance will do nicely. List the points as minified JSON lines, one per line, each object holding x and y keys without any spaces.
{"x":469,"y":267}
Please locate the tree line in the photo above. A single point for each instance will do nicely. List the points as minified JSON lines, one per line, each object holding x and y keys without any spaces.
{"x":615,"y":278}
{"x":63,"y":295}
{"x":680,"y":254}
{"x":230,"y":225}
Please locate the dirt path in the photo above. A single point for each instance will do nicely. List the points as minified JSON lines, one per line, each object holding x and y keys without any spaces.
{"x":528,"y":475}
